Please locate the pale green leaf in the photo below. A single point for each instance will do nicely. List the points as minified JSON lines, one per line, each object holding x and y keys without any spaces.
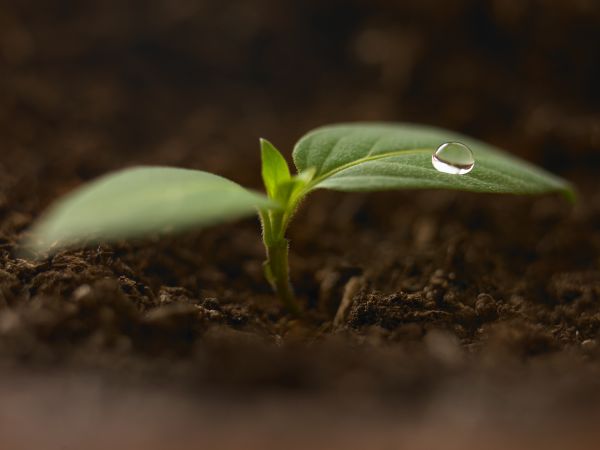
{"x":139,"y":201}
{"x":379,"y":156}
{"x":275,"y":170}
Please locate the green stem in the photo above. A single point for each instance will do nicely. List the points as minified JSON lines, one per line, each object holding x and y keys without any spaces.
{"x":277,"y":265}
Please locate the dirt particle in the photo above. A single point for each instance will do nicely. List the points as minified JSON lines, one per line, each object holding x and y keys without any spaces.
{"x":168,"y":295}
{"x":81,"y":292}
{"x":211,"y":303}
{"x":589,"y":345}
{"x":486,"y":307}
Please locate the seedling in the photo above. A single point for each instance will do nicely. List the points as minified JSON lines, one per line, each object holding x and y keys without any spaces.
{"x":347,"y":157}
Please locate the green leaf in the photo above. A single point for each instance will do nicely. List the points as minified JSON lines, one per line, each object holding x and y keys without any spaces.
{"x":139,"y":201}
{"x":275,"y":170}
{"x":379,"y":156}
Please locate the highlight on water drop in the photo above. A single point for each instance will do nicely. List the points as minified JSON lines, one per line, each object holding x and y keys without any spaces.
{"x":453,"y":158}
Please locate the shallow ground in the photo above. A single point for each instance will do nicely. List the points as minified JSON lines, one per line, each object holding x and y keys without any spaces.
{"x":467,"y":316}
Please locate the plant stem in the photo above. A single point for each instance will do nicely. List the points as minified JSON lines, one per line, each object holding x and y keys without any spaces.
{"x":277,"y":265}
{"x":277,"y":261}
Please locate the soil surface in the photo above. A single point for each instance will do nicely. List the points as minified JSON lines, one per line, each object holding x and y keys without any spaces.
{"x":433,"y":318}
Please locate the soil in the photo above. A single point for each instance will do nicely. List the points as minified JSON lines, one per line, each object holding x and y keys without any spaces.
{"x":433,"y":318}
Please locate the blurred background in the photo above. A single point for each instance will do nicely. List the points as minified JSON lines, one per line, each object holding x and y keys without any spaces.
{"x":89,"y":85}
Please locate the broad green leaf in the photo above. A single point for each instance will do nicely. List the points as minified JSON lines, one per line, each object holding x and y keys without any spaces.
{"x":275,"y":170}
{"x":142,"y":200}
{"x":379,"y":156}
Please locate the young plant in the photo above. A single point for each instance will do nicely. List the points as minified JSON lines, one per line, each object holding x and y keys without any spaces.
{"x":346,"y":157}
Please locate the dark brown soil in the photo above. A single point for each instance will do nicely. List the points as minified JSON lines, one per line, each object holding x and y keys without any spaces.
{"x":467,"y":321}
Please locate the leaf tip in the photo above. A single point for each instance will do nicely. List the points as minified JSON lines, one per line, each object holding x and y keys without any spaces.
{"x":570,"y":194}
{"x":265,"y":144}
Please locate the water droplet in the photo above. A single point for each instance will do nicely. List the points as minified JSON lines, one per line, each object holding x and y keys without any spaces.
{"x":454,"y":158}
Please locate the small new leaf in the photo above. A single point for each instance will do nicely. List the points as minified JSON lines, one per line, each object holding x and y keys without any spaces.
{"x":373,"y":157}
{"x":142,"y":200}
{"x":275,"y":170}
